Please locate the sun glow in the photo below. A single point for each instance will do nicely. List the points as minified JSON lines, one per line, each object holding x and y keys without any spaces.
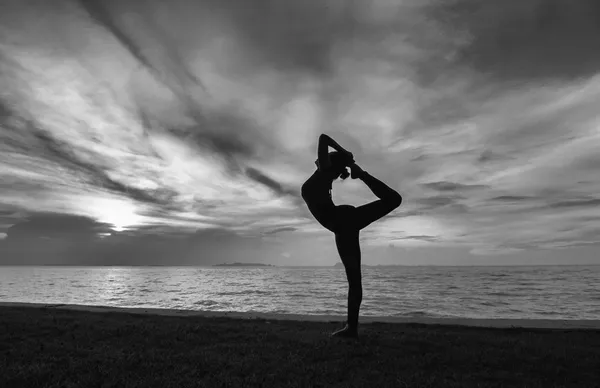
{"x":119,"y":213}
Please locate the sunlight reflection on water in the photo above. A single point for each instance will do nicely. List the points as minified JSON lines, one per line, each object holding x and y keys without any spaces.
{"x":475,"y":292}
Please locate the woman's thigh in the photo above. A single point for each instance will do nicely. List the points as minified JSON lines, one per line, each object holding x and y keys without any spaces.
{"x":348,"y":247}
{"x":364,"y":215}
{"x":350,"y":219}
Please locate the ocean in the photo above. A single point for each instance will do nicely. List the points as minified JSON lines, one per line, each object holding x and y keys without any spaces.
{"x":547,"y":292}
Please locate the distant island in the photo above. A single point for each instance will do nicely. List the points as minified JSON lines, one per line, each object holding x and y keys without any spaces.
{"x":243,"y":265}
{"x":340,"y":265}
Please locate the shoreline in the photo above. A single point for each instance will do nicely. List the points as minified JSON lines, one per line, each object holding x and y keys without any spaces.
{"x":472,"y":322}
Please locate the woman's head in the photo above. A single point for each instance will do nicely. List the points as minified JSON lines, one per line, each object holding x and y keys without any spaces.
{"x":339,"y":163}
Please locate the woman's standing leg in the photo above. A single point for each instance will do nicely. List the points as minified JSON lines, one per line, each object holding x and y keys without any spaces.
{"x":348,"y":246}
{"x":350,"y":221}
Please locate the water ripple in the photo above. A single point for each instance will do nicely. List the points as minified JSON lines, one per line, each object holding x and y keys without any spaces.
{"x":473,"y":292}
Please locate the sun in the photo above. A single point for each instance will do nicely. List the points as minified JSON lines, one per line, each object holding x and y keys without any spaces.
{"x":119,"y":213}
{"x":118,"y":228}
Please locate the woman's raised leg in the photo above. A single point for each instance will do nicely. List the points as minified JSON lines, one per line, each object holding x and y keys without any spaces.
{"x":389,"y":199}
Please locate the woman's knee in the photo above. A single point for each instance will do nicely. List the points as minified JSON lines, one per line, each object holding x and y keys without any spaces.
{"x":395,"y":200}
{"x":355,"y":291}
{"x":354,"y":280}
{"x":356,"y":286}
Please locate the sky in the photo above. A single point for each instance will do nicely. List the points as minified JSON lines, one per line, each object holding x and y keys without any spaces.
{"x":142,"y":133}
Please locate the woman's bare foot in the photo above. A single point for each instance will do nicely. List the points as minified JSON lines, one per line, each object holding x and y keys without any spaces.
{"x":346,"y":332}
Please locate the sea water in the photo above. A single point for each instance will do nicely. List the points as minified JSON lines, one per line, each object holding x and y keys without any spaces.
{"x":548,"y":292}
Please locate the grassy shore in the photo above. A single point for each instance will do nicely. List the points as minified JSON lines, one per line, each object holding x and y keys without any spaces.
{"x":59,"y":348}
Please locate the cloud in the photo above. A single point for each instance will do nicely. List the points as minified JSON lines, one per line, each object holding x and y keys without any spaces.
{"x":110,"y":15}
{"x":281,"y":230}
{"x":50,"y":238}
{"x":525,"y":41}
{"x":512,"y":198}
{"x":258,"y":176}
{"x":420,"y":238}
{"x":93,"y":171}
{"x":66,"y":239}
{"x":61,"y":226}
{"x":162,"y":120}
{"x":452,"y":186}
{"x":289,"y":35}
{"x":593,"y":203}
{"x":435,"y":202}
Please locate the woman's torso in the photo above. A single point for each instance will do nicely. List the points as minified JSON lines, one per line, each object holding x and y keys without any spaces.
{"x":316,"y":192}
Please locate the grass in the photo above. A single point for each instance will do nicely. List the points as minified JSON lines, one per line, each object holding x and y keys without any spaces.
{"x":61,"y":348}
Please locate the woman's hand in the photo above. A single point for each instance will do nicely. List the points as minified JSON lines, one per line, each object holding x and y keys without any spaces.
{"x":350,"y":157}
{"x":323,"y":151}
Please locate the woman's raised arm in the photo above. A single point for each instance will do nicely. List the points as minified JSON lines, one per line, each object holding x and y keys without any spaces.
{"x":323,"y":151}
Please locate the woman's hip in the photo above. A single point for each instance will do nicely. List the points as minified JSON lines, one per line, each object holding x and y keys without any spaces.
{"x":343,"y":220}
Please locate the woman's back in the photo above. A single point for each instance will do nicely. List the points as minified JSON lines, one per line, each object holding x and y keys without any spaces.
{"x":316,"y":192}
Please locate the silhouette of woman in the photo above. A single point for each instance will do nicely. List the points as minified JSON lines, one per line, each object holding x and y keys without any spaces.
{"x":346,"y":221}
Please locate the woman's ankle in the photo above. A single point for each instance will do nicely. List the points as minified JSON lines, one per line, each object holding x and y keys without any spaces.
{"x":356,"y":172}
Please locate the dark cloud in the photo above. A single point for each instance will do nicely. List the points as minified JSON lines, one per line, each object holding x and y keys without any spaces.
{"x":440,"y":109}
{"x":52,"y":225}
{"x":222,"y":143}
{"x":217,"y":245}
{"x":226,"y":134}
{"x":401,"y":213}
{"x":96,"y":173}
{"x":588,"y":202}
{"x":8,"y":218}
{"x":452,"y":186}
{"x":420,"y":238}
{"x":288,"y":35}
{"x":308,"y":64}
{"x":14,"y":130}
{"x":214,"y":234}
{"x":101,"y":12}
{"x":281,"y":230}
{"x":261,"y":178}
{"x":156,"y":231}
{"x":513,"y":198}
{"x":229,"y":134}
{"x":525,"y":40}
{"x":110,"y":15}
{"x":292,"y":35}
{"x":58,"y":239}
{"x":491,"y":156}
{"x":436,"y":201}
{"x":5,"y":111}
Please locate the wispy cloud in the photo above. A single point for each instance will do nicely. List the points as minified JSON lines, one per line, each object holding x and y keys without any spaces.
{"x":205,"y":114}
